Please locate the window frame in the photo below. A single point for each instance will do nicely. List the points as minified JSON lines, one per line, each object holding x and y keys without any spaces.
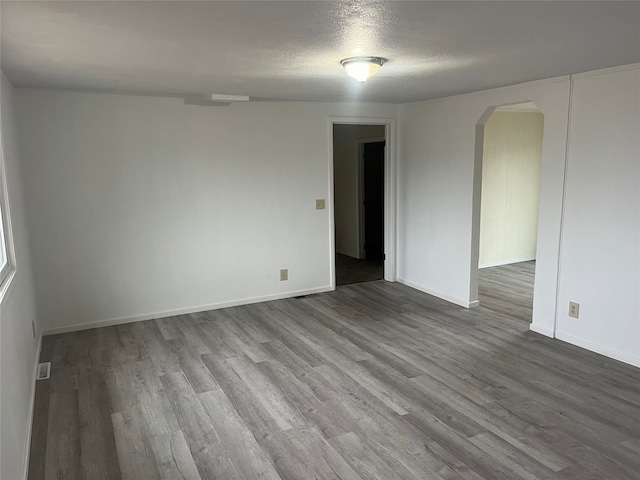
{"x":8,"y":269}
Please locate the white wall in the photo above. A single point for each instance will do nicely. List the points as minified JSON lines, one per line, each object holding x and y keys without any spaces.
{"x":439,"y":187}
{"x":598,"y":234}
{"x":18,"y":347}
{"x":600,"y":257}
{"x":140,"y":206}
{"x":144,"y":206}
{"x":345,"y":154}
{"x":510,"y":187}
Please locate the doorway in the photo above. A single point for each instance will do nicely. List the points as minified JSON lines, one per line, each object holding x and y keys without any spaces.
{"x":510,"y":194}
{"x":359,"y":202}
{"x":372,"y":200}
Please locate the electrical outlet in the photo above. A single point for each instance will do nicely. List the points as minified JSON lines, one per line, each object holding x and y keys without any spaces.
{"x":284,"y":274}
{"x":574,"y":309}
{"x":320,"y":204}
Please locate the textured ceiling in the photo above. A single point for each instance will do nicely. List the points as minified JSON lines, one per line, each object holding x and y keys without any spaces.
{"x":292,"y":50}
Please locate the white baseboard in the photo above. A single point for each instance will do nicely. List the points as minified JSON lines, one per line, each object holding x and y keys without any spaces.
{"x":435,"y":293}
{"x":602,"y":350}
{"x":508,"y":262}
{"x":547,"y":332}
{"x":181,"y":311}
{"x":32,"y":402}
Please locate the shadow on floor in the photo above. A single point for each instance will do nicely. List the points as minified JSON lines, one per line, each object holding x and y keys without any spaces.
{"x":353,"y":270}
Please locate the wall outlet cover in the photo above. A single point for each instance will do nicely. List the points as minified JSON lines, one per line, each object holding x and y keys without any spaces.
{"x":574,"y":309}
{"x":284,"y":274}
{"x":320,"y":204}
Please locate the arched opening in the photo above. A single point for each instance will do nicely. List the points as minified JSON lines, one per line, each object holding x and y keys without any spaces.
{"x":506,"y":201}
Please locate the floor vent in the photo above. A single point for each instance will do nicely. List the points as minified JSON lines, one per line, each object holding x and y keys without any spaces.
{"x":300,"y":297}
{"x":44,"y":371}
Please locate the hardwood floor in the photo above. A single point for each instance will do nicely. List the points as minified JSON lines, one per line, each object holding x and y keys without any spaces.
{"x":372,"y":381}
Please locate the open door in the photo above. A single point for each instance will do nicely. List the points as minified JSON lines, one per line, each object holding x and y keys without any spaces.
{"x":373,"y":200}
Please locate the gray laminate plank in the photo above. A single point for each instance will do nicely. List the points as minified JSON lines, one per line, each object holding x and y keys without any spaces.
{"x":285,"y":356}
{"x":38,"y":450}
{"x":242,"y":343}
{"x":98,"y":455}
{"x":270,"y":321}
{"x":125,"y":348}
{"x":157,"y":346}
{"x":366,"y":462}
{"x":169,"y":327}
{"x":520,"y":463}
{"x":302,"y":454}
{"x":151,"y":398}
{"x":374,"y":381}
{"x":256,"y":415}
{"x":385,"y":431}
{"x":193,"y":421}
{"x":191,"y":364}
{"x":519,"y":437}
{"x":134,"y":450}
{"x":264,"y":391}
{"x":63,"y":437}
{"x":240,"y":445}
{"x":173,"y":458}
{"x":329,"y":421}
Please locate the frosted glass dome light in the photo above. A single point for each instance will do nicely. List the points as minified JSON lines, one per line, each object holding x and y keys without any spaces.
{"x":362,"y":68}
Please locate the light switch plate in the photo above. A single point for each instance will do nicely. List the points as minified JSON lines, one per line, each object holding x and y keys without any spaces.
{"x":320,"y":204}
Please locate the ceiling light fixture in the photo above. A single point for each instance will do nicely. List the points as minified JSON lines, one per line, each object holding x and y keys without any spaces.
{"x":362,"y":68}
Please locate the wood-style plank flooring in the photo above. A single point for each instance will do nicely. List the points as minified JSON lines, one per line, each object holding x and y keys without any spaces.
{"x":354,"y":270}
{"x":372,"y":381}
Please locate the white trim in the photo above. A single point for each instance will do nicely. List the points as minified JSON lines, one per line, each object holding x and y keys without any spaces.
{"x":360,"y":186}
{"x":6,"y":284}
{"x":527,"y":107}
{"x":547,"y":332}
{"x":565,"y":172}
{"x":507,"y":262}
{"x":390,"y":200}
{"x":476,"y":198}
{"x":331,"y":206}
{"x":604,"y":71}
{"x":32,"y":403}
{"x":478,"y":162}
{"x":597,"y":348}
{"x":440,"y":295}
{"x":6,"y":231}
{"x":182,"y":311}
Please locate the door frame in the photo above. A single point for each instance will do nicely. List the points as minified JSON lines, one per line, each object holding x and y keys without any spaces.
{"x":390,"y":189}
{"x":360,"y":186}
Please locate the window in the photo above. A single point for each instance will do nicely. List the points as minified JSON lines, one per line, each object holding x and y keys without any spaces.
{"x":7,"y":257}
